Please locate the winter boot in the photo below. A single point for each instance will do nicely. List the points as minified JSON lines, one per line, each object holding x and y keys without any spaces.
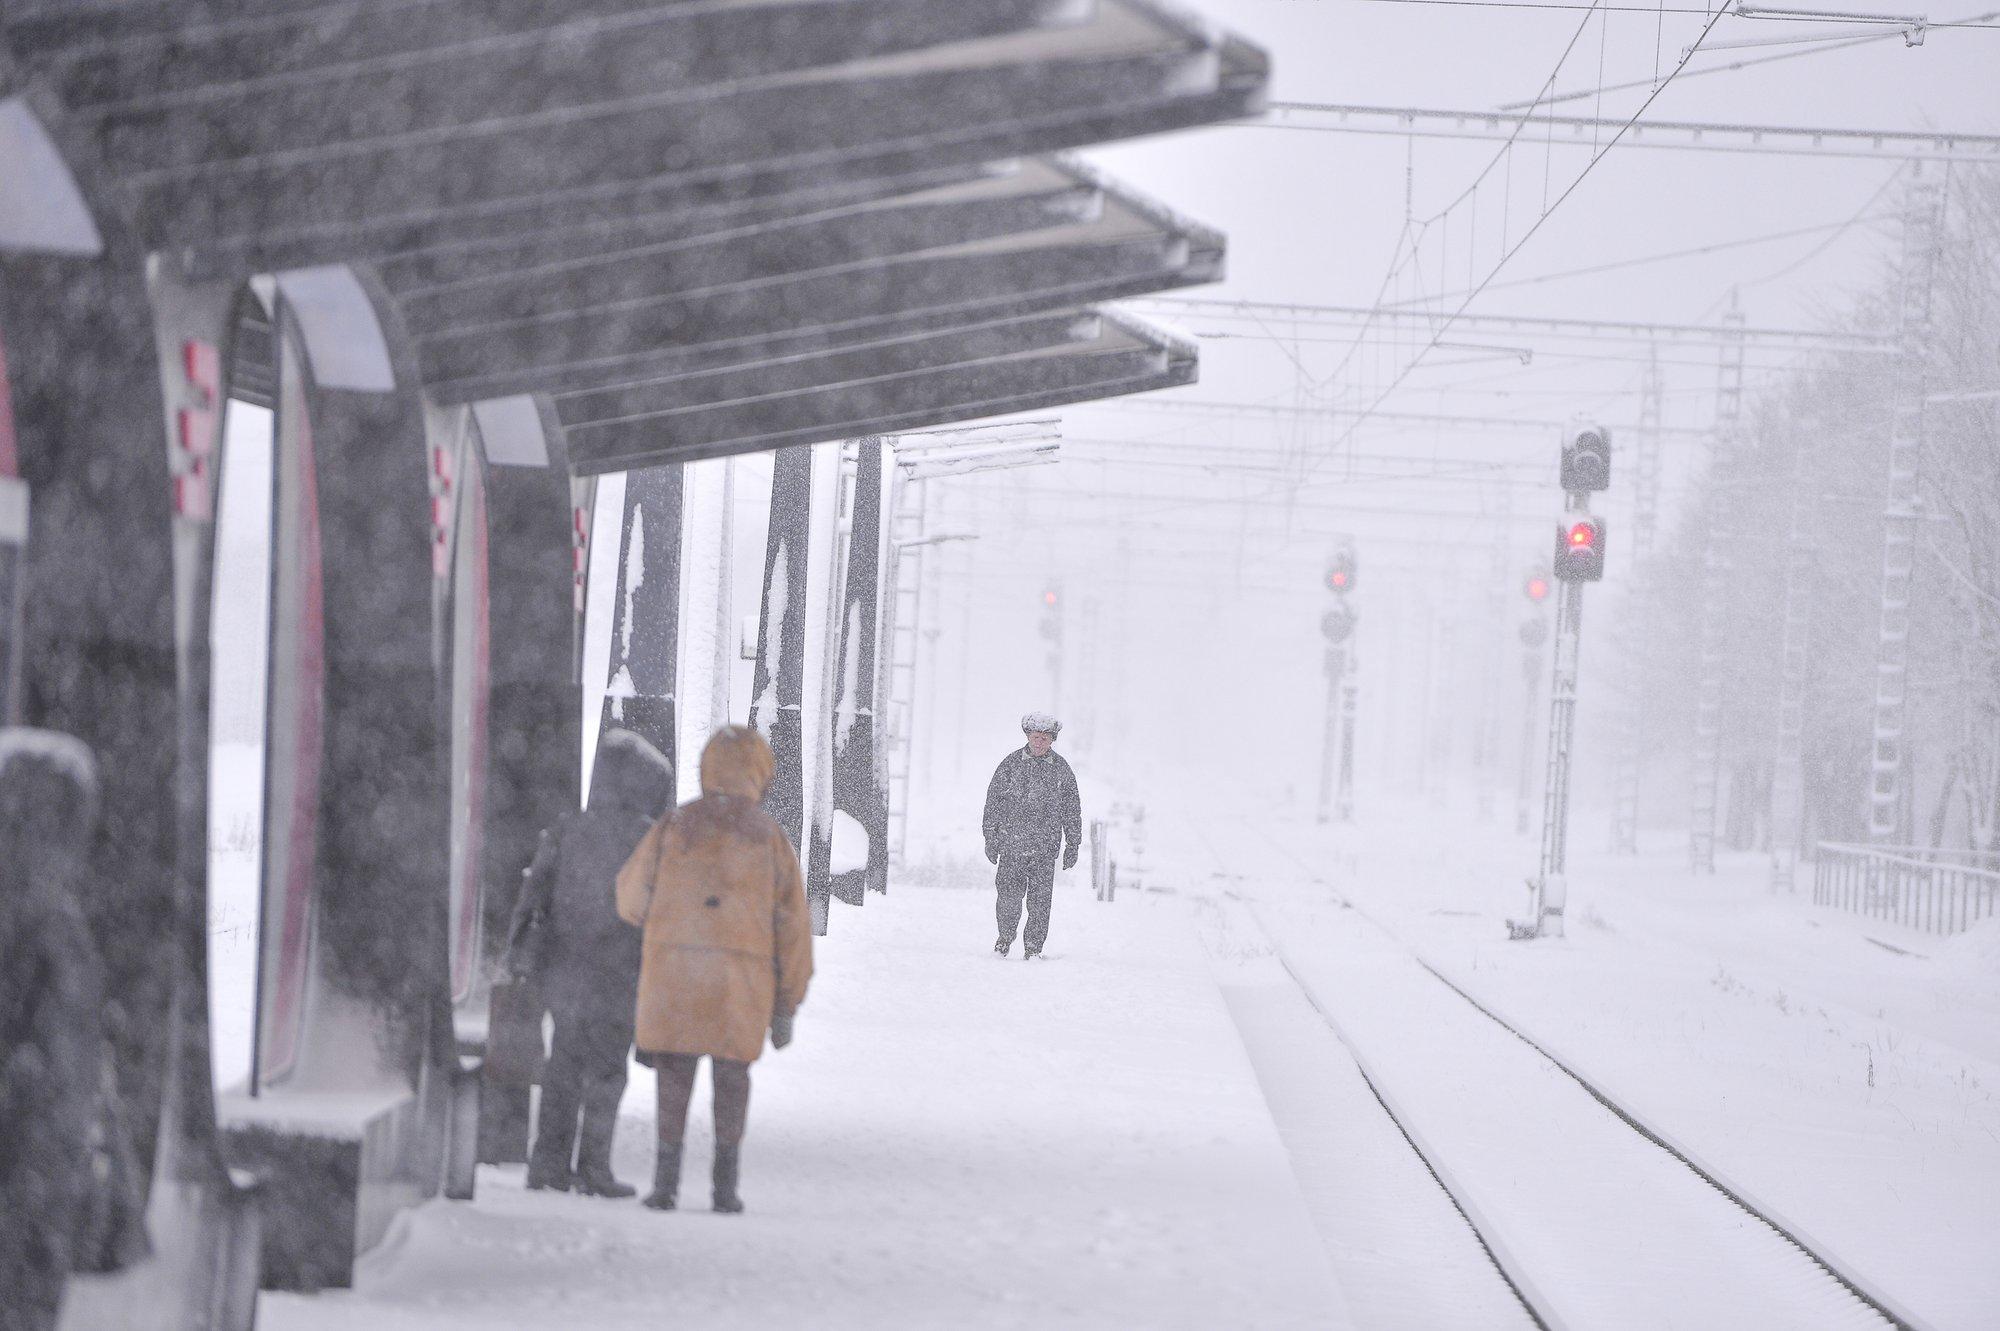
{"x":1000,"y":949}
{"x":666,"y":1179}
{"x":546,"y":1168}
{"x":726,"y":1200}
{"x":593,"y":1176}
{"x":555,"y":1136}
{"x":1029,"y":954}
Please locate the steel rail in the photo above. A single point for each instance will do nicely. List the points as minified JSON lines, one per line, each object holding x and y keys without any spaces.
{"x":1839,"y":1271}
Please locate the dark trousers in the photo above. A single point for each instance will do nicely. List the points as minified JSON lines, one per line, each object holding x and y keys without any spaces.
{"x":1029,"y":876}
{"x":584,"y":1080}
{"x":732,"y":1096}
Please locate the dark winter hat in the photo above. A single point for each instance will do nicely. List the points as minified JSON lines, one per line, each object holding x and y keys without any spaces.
{"x":1041,"y":721}
{"x":631,"y":774}
{"x":48,"y":808}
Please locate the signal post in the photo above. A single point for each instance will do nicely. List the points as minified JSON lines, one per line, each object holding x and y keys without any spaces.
{"x":1052,"y":630}
{"x":1534,"y":636}
{"x":1579,"y":558}
{"x":1336,"y":766}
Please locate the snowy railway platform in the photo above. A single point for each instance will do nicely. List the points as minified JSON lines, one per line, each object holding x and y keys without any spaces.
{"x":1293,"y":1085}
{"x":952,"y":1140}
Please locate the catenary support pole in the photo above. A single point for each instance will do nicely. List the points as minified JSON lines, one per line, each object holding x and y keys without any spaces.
{"x":1630,"y":718}
{"x":1787,"y":768}
{"x":1336,"y":668}
{"x":1714,"y":593}
{"x":1551,"y":892}
{"x":1923,"y":204}
{"x":1350,"y":687}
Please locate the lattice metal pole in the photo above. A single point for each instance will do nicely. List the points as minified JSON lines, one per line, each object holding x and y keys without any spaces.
{"x":1534,"y":633}
{"x":1350,"y":689}
{"x":1329,"y":754}
{"x":904,"y":602}
{"x":1715,"y":586}
{"x":1923,"y":202}
{"x":1788,"y":766}
{"x":1630,"y":739}
{"x":1646,"y":460}
{"x":1486,"y":733}
{"x":1548,"y":893}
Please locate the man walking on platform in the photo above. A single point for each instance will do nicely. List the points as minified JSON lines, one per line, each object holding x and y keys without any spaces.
{"x":1033,"y":814}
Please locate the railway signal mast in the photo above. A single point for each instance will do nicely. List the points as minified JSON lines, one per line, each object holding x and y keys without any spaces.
{"x":1579,"y":558}
{"x":1534,"y":636}
{"x":1052,"y":630}
{"x":1336,"y":767}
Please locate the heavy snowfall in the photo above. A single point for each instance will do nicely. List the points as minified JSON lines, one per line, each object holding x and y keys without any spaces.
{"x":873,"y":663}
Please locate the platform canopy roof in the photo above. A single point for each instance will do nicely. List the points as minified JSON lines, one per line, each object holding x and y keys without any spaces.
{"x":609,"y":204}
{"x":1029,"y":364}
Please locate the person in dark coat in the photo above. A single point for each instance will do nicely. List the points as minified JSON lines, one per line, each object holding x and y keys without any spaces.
{"x":1033,"y":814}
{"x":59,"y":1176}
{"x":566,"y":933}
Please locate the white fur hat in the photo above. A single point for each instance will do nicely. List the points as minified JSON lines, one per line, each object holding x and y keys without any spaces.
{"x":1041,"y":721}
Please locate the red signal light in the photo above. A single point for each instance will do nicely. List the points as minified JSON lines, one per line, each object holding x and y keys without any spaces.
{"x":1583,"y":535}
{"x":1538,"y":589}
{"x":1337,"y":580}
{"x":1048,"y":598}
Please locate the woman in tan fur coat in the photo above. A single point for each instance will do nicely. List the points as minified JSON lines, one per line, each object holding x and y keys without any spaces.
{"x":727,"y":951}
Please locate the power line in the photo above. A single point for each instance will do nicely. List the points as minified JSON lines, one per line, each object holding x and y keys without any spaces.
{"x":1696,"y":135}
{"x":1593,"y":329}
{"x":1732,"y":67}
{"x":1548,"y":211}
{"x":1564,"y":6}
{"x":1692,"y":252}
{"x":1426,"y":418}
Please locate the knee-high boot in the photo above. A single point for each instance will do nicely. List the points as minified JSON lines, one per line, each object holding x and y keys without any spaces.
{"x":593,"y":1151}
{"x":727,"y":1159}
{"x":555,"y":1132}
{"x":666,"y":1178}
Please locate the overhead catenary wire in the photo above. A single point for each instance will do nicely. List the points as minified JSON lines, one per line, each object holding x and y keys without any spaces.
{"x":1575,"y":6}
{"x":1508,"y":253}
{"x":1691,"y":252}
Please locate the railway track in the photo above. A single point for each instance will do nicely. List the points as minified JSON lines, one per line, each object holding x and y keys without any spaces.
{"x":1711,"y":1253}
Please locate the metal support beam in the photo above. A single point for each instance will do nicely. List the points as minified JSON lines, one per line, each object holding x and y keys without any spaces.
{"x":644,"y":665}
{"x":1788,"y":763}
{"x":778,"y":687}
{"x":1923,"y":207}
{"x":1715,"y":570}
{"x":1629,"y":738}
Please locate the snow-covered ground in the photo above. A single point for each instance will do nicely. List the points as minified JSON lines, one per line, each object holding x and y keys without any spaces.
{"x":953,"y":1140}
{"x":1155,"y":1127}
{"x":1848,"y":1087}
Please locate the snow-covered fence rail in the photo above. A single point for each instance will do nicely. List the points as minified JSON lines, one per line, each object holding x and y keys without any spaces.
{"x":1942,"y":892}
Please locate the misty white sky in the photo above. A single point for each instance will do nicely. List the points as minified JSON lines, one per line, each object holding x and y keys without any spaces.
{"x":1222,"y":594}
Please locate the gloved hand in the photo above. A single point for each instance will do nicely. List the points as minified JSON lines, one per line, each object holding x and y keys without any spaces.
{"x":781,"y":1029}
{"x":1069,"y":858}
{"x":993,"y":852}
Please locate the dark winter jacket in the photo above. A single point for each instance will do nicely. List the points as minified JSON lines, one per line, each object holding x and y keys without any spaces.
{"x":1032,"y":806}
{"x":566,"y":931}
{"x":69,"y":1191}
